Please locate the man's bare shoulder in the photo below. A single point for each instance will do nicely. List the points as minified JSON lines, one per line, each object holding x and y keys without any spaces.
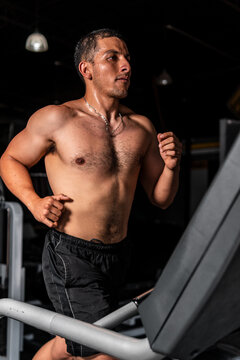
{"x":49,"y":119}
{"x":140,"y":120}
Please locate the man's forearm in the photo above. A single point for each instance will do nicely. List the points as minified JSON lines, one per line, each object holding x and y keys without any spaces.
{"x":18,"y":180}
{"x":166,"y":187}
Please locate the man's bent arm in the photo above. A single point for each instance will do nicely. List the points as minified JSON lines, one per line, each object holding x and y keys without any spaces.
{"x":166,"y":187}
{"x":160,"y":170}
{"x":25,"y":150}
{"x":18,"y":180}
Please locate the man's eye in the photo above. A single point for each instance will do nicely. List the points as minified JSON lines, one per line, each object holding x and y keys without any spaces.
{"x":113,"y":57}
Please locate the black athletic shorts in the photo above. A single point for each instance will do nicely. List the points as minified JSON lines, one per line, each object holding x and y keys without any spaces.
{"x":83,"y":278}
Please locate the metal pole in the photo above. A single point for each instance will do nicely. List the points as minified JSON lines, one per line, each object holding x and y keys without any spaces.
{"x":107,"y":341}
{"x":15,"y":276}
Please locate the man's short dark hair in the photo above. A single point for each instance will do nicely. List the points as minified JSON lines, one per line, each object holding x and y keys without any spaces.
{"x":86,"y":46}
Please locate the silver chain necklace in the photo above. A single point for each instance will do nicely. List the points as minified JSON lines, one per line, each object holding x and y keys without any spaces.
{"x":107,"y":125}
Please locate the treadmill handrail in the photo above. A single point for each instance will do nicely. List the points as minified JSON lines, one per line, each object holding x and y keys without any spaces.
{"x":103,"y":340}
{"x":15,"y":274}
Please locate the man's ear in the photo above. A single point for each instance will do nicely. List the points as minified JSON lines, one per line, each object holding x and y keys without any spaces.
{"x":85,"y":69}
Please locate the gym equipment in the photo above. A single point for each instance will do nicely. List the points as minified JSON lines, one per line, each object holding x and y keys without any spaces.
{"x":195,"y":302}
{"x":14,"y":274}
{"x":228,"y":131}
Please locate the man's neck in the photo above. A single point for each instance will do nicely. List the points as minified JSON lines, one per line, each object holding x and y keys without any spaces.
{"x":105,"y":105}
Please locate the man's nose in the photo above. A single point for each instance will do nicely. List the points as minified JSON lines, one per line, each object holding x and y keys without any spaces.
{"x":125,"y":65}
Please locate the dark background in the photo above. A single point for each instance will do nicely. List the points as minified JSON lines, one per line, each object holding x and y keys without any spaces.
{"x":196,"y":41}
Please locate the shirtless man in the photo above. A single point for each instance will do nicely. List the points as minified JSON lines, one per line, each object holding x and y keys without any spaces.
{"x":95,"y":150}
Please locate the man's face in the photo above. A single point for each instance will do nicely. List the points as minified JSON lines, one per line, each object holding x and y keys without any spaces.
{"x":111,"y":69}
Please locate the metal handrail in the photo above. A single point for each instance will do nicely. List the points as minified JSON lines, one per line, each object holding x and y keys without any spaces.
{"x":16,"y":275}
{"x":103,"y":340}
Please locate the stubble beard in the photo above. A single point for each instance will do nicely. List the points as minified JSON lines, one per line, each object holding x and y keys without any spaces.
{"x":118,"y":94}
{"x":114,"y":92}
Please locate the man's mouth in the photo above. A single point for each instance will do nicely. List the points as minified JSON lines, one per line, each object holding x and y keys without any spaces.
{"x":123,"y":78}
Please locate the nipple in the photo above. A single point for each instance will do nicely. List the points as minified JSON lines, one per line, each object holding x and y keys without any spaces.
{"x":80,"y":161}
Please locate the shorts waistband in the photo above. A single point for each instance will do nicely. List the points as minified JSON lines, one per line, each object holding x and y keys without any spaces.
{"x":73,"y":240}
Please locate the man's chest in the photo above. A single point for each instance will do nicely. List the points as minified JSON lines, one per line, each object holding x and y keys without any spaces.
{"x":93,"y":151}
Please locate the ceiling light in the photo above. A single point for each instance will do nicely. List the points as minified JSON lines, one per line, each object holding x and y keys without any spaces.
{"x":36,"y":42}
{"x":164,"y":79}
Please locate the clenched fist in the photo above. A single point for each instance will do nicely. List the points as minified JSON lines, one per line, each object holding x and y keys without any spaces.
{"x":170,"y":149}
{"x":48,"y":210}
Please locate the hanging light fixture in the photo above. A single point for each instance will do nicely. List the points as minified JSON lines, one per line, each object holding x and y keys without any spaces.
{"x":36,"y":41}
{"x":164,"y":79}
